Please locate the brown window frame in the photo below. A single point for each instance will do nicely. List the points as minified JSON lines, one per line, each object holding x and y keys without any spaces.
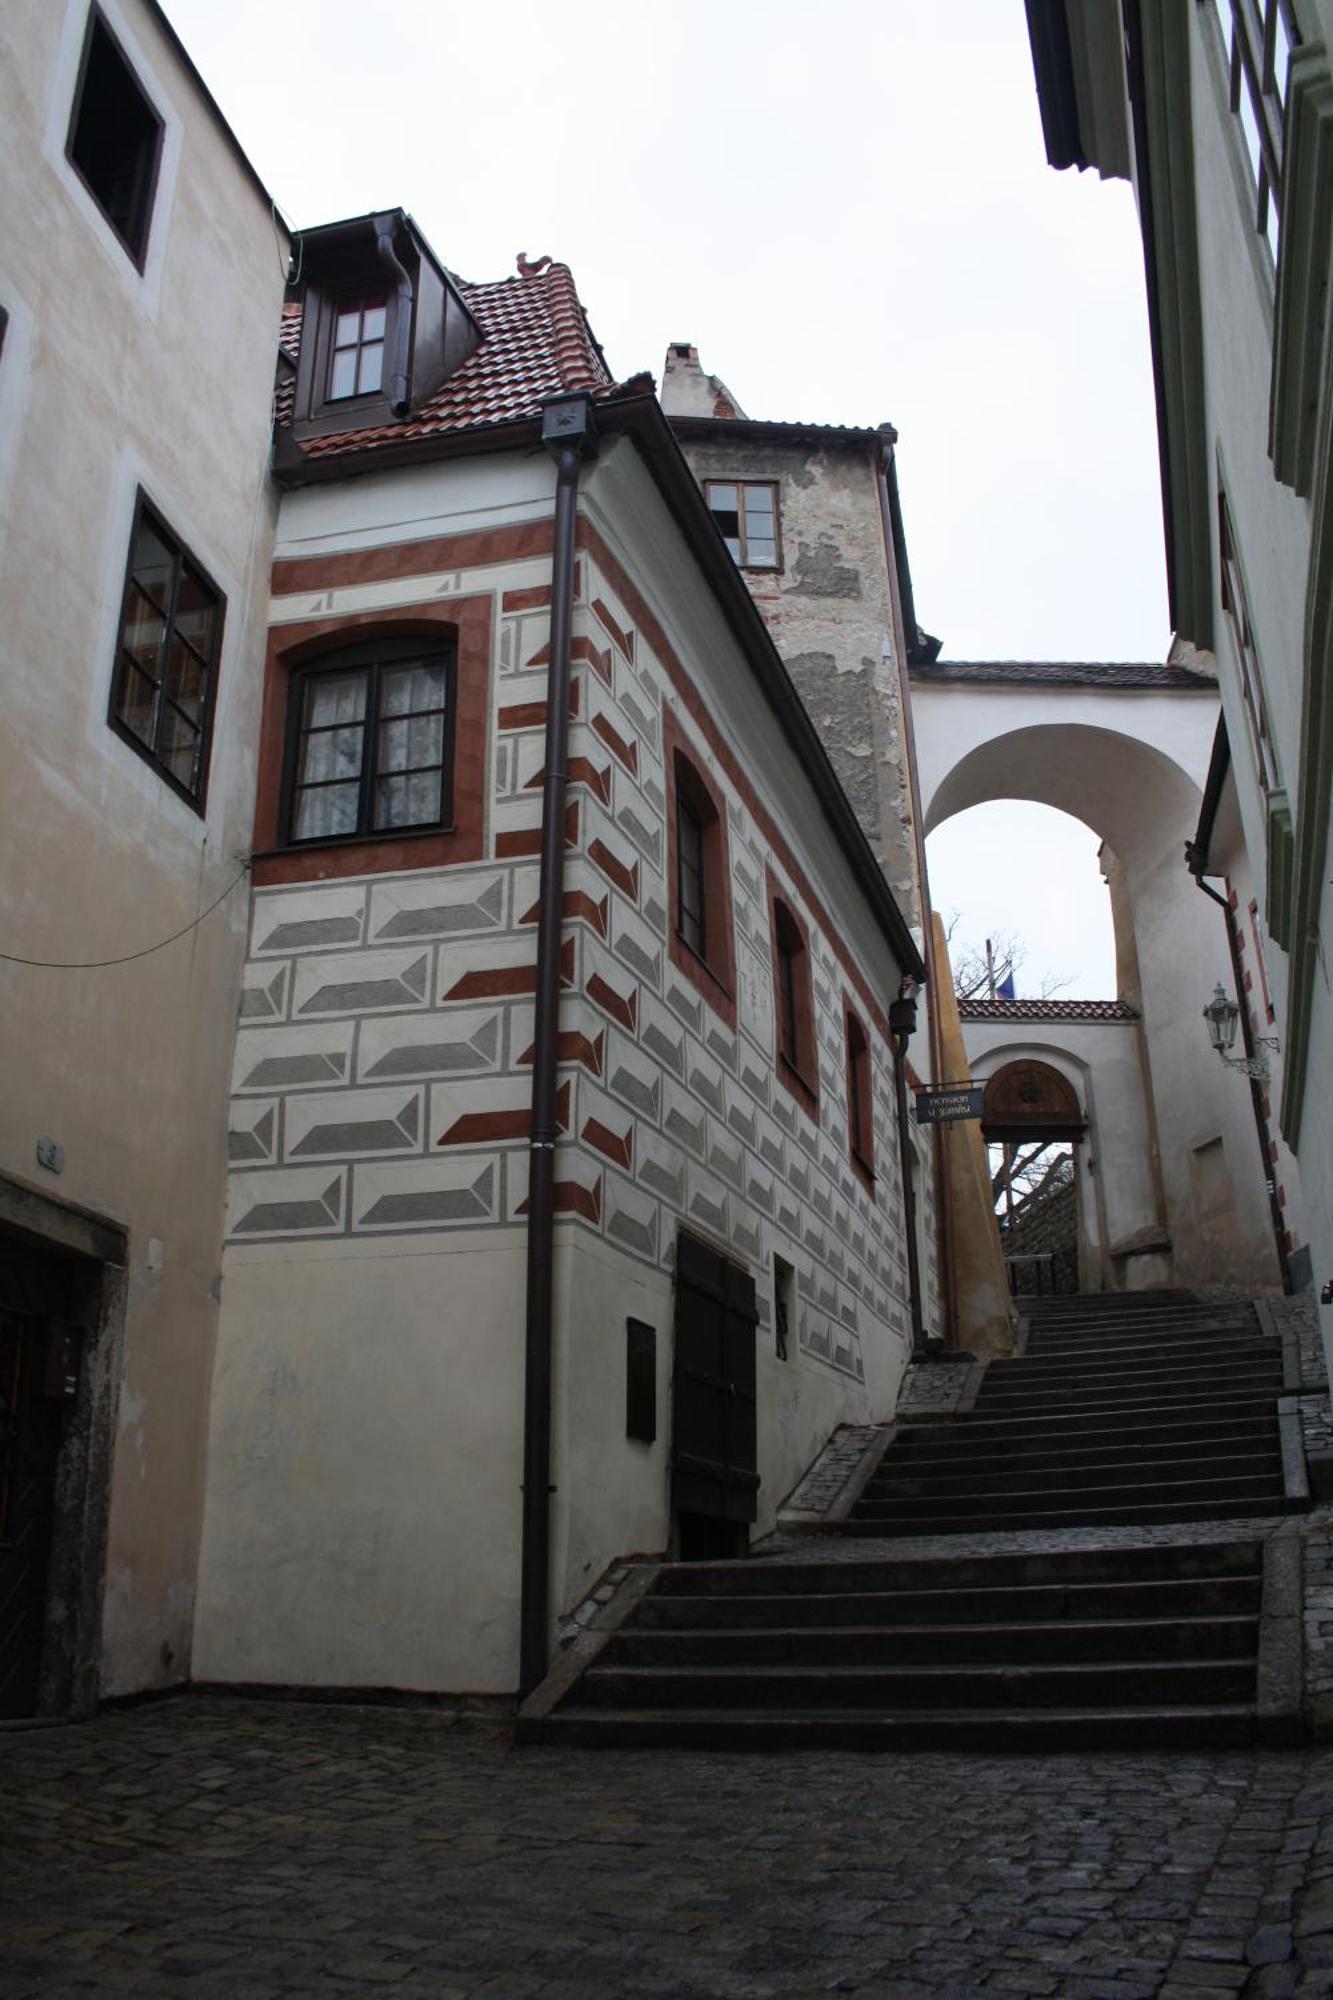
{"x":797,"y":1063}
{"x":371,"y":659}
{"x":711,"y":971}
{"x":360,"y":303}
{"x":860,"y":1098}
{"x":1236,"y":605}
{"x":1255,"y":85}
{"x":741,"y":553}
{"x":465,"y":622}
{"x":134,"y":237}
{"x":128,"y":662}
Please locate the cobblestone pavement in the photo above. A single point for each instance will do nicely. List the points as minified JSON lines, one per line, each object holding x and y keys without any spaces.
{"x":237,"y":1850}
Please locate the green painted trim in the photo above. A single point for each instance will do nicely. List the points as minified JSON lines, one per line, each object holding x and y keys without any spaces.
{"x":1280,"y":842}
{"x":1304,"y":262}
{"x":1315,"y":777}
{"x":1167,"y":182}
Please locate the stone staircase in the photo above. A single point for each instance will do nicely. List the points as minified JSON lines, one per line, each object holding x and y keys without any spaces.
{"x":1110,"y":1633}
{"x":1122,"y":1410}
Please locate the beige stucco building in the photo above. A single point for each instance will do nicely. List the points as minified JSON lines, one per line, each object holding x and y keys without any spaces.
{"x":141,"y":275}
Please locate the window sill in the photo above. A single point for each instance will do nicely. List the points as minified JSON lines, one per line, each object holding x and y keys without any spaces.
{"x":343,"y":840}
{"x":365,"y":854}
{"x":697,"y":959}
{"x":864,"y":1172}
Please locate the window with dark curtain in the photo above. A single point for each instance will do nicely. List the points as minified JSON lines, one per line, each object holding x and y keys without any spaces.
{"x":691,"y":916}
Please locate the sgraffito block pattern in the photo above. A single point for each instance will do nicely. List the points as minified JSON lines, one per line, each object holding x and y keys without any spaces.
{"x":383,"y":1066}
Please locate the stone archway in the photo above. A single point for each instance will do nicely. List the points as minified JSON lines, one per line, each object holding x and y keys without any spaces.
{"x":1027,"y":1100}
{"x":1126,"y":751}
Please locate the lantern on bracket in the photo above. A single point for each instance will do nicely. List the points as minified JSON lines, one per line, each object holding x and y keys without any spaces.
{"x":1223,"y":1018}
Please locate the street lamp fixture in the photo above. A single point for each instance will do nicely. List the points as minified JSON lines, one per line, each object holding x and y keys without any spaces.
{"x":1223,"y":1017}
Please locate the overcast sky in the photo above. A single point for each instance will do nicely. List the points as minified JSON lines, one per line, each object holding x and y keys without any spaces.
{"x":850,"y":214}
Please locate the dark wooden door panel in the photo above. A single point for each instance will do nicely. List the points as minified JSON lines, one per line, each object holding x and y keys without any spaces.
{"x":714,"y":1432}
{"x":30,"y":1426}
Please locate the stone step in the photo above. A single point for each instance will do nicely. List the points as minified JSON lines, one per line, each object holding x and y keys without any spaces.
{"x":1176,"y":1396}
{"x":1115,"y":1683}
{"x":952,"y":1499}
{"x":913,"y":1452}
{"x":1021,"y":1603}
{"x":1006,"y":1731}
{"x":1137,"y":1514}
{"x":1006,"y":1569}
{"x":1149,"y":1419}
{"x":1062,"y":1641}
{"x":1067,"y":1475}
{"x":1036,"y":1368}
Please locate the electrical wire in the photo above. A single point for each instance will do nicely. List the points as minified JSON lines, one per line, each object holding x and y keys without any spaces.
{"x":96,"y":964}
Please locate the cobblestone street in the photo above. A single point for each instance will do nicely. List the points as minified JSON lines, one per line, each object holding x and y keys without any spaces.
{"x":214,"y":1847}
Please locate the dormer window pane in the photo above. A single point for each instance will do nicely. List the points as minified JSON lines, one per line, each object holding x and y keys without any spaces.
{"x":357,"y":365}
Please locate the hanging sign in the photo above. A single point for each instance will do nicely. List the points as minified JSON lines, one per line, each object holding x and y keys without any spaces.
{"x":941,"y":1104}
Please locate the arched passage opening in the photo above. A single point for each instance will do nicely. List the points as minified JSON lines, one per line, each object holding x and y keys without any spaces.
{"x":1129,"y":762}
{"x":1031,"y":1121}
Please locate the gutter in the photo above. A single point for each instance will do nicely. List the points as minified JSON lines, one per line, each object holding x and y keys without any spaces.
{"x":568,"y":434}
{"x":399,"y":399}
{"x":1196,"y":860}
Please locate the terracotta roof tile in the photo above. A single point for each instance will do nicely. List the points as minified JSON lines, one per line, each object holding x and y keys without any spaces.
{"x":1046,"y":1010}
{"x":1063,"y":673}
{"x":536,"y":343}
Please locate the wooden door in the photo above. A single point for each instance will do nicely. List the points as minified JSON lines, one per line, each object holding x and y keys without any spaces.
{"x":714,"y":1433}
{"x":30,"y":1431}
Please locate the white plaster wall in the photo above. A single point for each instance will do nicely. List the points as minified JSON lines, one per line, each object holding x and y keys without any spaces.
{"x":365,"y":1467}
{"x":111,"y":379}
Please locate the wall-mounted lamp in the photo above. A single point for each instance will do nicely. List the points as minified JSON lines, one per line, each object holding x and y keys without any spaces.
{"x":1223,"y":1017}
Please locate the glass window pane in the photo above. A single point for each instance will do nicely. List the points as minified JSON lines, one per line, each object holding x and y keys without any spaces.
{"x":404,"y":689}
{"x":331,"y":810}
{"x":722,"y":499}
{"x":194,"y":611}
{"x":178,"y":746}
{"x":1281,"y":55}
{"x":331,"y":753}
{"x":372,"y":324}
{"x":730,"y":524}
{"x":371,"y":372}
{"x":187,"y":681}
{"x":758,"y":500}
{"x":136,"y":701}
{"x":347,"y":330}
{"x":1250,"y":128}
{"x":342,"y":381}
{"x":335,"y":698}
{"x":145,"y":632}
{"x":408,"y":745}
{"x":762,"y":552}
{"x":407,"y":801}
{"x":152,"y":565}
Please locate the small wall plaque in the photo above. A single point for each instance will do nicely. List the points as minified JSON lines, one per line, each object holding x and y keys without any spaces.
{"x":640,"y":1381}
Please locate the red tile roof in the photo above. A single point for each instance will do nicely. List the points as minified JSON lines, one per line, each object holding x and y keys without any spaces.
{"x":1046,"y":1010}
{"x":1064,"y":673}
{"x":536,"y":343}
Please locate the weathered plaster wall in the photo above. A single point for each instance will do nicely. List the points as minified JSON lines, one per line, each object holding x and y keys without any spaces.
{"x":374,"y":1271}
{"x":830,"y":610}
{"x":111,"y":379}
{"x":985,"y":1320}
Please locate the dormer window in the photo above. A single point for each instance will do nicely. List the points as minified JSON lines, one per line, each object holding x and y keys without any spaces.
{"x":357,"y":364}
{"x":382,"y":326}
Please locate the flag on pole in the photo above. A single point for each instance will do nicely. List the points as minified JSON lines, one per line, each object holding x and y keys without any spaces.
{"x":1005,"y":988}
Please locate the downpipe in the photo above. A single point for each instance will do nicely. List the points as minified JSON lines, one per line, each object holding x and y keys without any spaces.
{"x":567,"y":434}
{"x":1194,"y":862}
